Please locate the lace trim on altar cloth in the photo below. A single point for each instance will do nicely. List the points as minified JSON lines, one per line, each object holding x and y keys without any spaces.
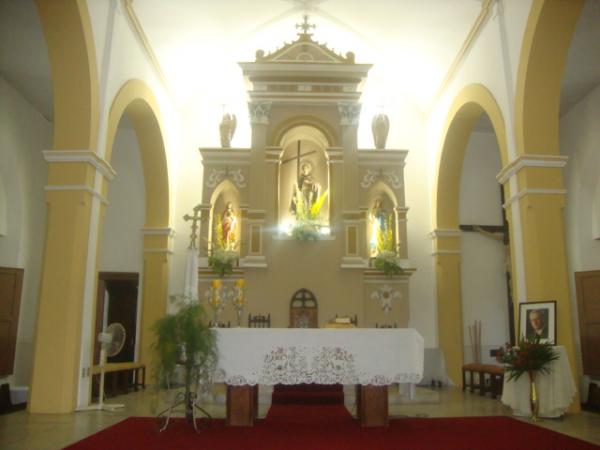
{"x":329,"y":365}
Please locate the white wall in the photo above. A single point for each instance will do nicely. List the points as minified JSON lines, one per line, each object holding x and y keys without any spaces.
{"x":24,"y":133}
{"x":483,"y":259}
{"x":579,"y":140}
{"x":122,"y":243}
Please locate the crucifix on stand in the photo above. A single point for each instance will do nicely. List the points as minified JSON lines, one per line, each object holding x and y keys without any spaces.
{"x":500,"y":233}
{"x":195,"y":219}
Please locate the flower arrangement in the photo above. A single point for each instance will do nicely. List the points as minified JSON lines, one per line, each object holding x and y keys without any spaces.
{"x":307,"y":224}
{"x":222,"y":261}
{"x":530,"y":356}
{"x":387,"y":259}
{"x":388,"y":262}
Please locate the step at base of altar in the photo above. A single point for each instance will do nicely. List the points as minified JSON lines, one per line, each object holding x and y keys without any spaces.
{"x":308,"y":394}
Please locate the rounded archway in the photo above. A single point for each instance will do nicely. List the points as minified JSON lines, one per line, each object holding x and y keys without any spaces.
{"x":464,"y":112}
{"x":137,"y":100}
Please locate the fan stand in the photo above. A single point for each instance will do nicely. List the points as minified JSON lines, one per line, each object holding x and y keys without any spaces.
{"x":189,"y":400}
{"x":101,"y":406}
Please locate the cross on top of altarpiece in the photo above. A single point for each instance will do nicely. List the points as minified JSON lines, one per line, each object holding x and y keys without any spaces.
{"x":305,"y":26}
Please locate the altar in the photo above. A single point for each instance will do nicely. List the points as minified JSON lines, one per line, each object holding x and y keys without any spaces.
{"x":372,"y":359}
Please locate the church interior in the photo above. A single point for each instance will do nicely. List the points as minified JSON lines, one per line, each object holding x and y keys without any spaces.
{"x":419,"y":176}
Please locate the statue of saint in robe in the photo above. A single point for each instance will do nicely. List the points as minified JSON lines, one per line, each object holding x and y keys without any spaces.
{"x":228,"y":226}
{"x":306,"y":187}
{"x":379,"y":219}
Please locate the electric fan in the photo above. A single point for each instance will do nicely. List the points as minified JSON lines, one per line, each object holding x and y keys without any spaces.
{"x":111,"y":340}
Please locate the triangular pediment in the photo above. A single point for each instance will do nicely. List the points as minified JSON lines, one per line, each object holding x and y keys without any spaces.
{"x":305,"y":50}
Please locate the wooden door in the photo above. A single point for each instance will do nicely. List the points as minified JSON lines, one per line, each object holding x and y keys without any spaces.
{"x":304,"y":310}
{"x":11,"y":281}
{"x":122,"y":290}
{"x":588,"y":302}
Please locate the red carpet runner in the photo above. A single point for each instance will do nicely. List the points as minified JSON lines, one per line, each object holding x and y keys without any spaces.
{"x":315,"y":427}
{"x":308,"y":394}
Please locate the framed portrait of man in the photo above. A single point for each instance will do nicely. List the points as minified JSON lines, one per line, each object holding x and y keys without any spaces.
{"x":538,"y":319}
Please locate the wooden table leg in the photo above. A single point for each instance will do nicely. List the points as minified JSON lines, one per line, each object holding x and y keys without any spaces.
{"x":240,"y":406}
{"x":255,"y":400}
{"x":372,"y":405}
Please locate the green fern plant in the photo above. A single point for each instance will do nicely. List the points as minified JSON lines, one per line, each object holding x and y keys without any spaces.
{"x":183,"y":339}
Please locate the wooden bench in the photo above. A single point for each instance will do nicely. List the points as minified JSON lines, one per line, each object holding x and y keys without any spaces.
{"x":484,"y":377}
{"x":135,"y":367}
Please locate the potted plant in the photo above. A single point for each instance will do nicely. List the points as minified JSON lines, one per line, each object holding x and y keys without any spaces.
{"x":184,"y":340}
{"x":532,"y":357}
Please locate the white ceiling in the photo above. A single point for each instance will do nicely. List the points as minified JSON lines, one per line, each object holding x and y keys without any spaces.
{"x":199,"y":42}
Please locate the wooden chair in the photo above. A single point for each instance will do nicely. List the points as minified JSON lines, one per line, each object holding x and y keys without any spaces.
{"x":259,"y":321}
{"x":483,"y":377}
{"x":386,"y":325}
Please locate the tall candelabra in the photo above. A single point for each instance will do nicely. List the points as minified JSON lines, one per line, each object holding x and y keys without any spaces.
{"x":219,"y":294}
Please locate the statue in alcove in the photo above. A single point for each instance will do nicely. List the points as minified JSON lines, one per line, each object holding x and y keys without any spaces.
{"x":306,"y":188}
{"x":228,"y":226}
{"x":381,"y":227}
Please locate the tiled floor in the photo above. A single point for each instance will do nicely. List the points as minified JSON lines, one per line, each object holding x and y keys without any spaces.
{"x":23,"y":431}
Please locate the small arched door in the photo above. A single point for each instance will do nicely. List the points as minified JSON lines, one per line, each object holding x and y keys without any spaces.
{"x":304,"y":310}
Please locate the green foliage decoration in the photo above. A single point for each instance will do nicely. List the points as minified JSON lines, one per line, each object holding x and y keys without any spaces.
{"x":529,"y":356}
{"x":183,"y":338}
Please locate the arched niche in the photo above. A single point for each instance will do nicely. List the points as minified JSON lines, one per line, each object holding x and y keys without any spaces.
{"x":310,"y":144}
{"x":224,"y":193}
{"x":381,"y":199}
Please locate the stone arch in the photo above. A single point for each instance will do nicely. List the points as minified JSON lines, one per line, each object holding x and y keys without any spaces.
{"x":68,"y":34}
{"x":466,"y":109}
{"x":137,"y":100}
{"x":279,"y":133}
{"x":542,"y":62}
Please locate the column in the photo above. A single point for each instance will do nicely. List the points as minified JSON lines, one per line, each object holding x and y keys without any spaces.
{"x":157,"y":250}
{"x":72,"y":195}
{"x":446,"y":244}
{"x":541,"y":199}
{"x":349,"y":117}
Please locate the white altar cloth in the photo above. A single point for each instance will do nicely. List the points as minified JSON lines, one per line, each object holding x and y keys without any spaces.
{"x":326,"y":356}
{"x":555,"y":389}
